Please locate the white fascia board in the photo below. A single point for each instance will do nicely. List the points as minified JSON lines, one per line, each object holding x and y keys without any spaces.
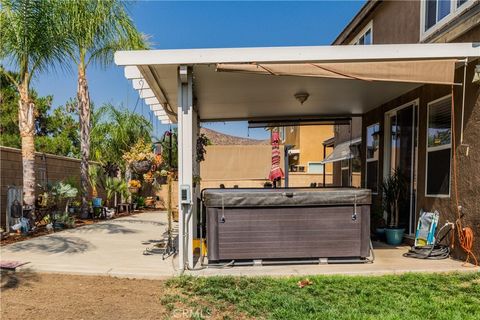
{"x":146,"y":93}
{"x":160,"y":114}
{"x":152,"y":101}
{"x":165,"y":122}
{"x":132,"y":72}
{"x":140,"y":84}
{"x":299,"y":54}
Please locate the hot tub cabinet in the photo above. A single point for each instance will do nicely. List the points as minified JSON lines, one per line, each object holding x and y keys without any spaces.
{"x":287,"y":224}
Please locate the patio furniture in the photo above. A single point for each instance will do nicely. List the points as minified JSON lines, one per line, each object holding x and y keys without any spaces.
{"x":122,"y":207}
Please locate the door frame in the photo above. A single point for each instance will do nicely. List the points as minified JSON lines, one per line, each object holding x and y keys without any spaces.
{"x":414,"y":170}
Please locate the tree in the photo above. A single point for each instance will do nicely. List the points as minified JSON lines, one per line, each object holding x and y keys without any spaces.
{"x":55,"y":132}
{"x":114,"y":132}
{"x":31,"y":42}
{"x":96,"y":28}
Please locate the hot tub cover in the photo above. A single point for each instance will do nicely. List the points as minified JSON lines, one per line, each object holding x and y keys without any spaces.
{"x":285,"y":197}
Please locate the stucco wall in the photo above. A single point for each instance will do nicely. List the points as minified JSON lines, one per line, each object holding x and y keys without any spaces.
{"x":468,"y":165}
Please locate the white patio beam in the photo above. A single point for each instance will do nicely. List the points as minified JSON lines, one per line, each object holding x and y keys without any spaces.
{"x":152,"y":101}
{"x":146,"y":93}
{"x":140,"y":84}
{"x":299,"y":54}
{"x":132,"y":72}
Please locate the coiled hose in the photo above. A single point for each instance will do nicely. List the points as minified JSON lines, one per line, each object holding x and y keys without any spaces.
{"x":436,"y":251}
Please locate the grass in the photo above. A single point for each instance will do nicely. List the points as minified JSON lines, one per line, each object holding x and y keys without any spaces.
{"x":409,"y":296}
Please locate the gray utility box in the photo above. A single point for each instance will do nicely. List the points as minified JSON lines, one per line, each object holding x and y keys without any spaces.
{"x":253,"y":224}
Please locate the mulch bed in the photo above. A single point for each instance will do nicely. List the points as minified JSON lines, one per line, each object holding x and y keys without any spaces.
{"x":41,"y":230}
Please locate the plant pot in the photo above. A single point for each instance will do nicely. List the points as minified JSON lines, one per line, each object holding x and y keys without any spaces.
{"x":394,"y":236}
{"x":96,"y":202}
{"x":380,"y":233}
{"x":141,"y":167}
{"x":133,"y":189}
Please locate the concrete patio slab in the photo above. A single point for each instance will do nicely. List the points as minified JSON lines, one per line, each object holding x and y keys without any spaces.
{"x":388,"y":260}
{"x":115,"y":248}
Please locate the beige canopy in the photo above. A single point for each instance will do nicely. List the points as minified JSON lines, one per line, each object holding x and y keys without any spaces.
{"x":414,"y":71}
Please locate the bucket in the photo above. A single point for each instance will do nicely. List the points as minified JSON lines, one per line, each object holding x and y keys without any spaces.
{"x":394,"y":236}
{"x":97,"y":202}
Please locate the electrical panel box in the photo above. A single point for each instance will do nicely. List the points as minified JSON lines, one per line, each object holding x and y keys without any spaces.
{"x":185,"y":197}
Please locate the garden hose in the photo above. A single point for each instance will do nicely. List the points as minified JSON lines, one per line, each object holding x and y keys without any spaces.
{"x":436,"y":251}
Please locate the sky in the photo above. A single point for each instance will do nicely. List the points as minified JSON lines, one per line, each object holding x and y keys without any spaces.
{"x":198,"y":24}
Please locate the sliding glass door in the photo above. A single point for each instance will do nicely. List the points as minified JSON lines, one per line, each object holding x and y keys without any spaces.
{"x":401,"y":154}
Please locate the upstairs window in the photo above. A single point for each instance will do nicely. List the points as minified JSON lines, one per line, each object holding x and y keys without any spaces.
{"x":438,"y":12}
{"x":365,"y":36}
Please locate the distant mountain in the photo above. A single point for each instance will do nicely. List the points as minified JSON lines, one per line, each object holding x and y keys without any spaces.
{"x":219,"y":138}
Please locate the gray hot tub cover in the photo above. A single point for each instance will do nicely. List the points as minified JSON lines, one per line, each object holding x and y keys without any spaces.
{"x":285,"y":197}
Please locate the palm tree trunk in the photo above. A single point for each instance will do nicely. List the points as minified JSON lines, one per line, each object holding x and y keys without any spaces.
{"x":26,"y":125}
{"x":83,"y":100}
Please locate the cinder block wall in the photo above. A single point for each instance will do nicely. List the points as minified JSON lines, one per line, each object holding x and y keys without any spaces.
{"x":48,"y":167}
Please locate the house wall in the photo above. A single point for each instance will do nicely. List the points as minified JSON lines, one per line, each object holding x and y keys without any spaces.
{"x":311,"y":147}
{"x":397,"y":22}
{"x":468,"y":166}
{"x":345,"y":133}
{"x":389,"y":23}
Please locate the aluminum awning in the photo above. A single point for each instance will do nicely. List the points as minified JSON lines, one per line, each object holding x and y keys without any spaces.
{"x":340,"y":80}
{"x":342,"y":151}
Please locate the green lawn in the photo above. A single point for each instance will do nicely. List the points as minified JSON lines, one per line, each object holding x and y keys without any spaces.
{"x":409,"y":296}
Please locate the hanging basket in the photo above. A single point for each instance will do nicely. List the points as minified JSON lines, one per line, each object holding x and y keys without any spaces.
{"x":141,"y":167}
{"x":133,"y":189}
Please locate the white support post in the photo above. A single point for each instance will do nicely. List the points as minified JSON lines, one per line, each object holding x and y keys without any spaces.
{"x":186,"y":154}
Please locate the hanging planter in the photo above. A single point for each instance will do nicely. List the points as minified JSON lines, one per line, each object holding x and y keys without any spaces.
{"x":134,"y":186}
{"x":141,"y":167}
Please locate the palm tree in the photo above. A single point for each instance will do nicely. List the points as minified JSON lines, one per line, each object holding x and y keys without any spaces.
{"x":31,"y":41}
{"x":97,"y":28}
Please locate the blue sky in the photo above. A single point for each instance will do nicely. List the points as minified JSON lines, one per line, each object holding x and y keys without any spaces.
{"x":180,"y":25}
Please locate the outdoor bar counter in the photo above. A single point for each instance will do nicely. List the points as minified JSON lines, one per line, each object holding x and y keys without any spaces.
{"x":287,"y":224}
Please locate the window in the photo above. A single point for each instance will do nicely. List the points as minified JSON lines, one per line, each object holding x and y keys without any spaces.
{"x":315,"y":167}
{"x":437,"y":12}
{"x":371,"y":168}
{"x":345,"y":167}
{"x":439,"y":145}
{"x":365,"y":36}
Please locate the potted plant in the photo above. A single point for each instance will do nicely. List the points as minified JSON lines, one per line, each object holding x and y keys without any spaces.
{"x":134,"y":185}
{"x":393,"y":189}
{"x":94,"y":173}
{"x":140,"y":157}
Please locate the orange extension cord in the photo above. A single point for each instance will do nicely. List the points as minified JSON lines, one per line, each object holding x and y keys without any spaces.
{"x":465,"y":234}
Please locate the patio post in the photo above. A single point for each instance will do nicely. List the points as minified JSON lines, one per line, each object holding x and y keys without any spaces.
{"x":187,"y":120}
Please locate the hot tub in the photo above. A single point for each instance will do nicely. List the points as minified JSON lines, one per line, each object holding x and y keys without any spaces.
{"x":286,"y":224}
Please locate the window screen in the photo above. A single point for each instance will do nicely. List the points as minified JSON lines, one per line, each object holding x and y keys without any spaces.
{"x":438,"y":172}
{"x":439,"y":147}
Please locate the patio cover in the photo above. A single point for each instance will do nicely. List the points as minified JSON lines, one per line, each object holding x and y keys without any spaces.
{"x":185,"y":87}
{"x":340,"y":80}
{"x":341,"y":151}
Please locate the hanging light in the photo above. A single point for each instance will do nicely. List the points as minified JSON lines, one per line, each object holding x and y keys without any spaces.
{"x":301,"y":97}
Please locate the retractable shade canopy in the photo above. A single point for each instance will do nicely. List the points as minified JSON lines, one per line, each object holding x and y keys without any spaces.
{"x":341,"y":151}
{"x":261,"y":83}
